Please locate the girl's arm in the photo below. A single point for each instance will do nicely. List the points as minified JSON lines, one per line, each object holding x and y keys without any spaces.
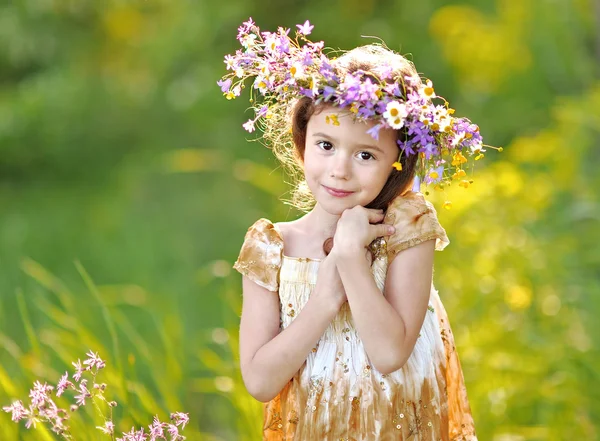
{"x":389,"y":324}
{"x":270,"y":358}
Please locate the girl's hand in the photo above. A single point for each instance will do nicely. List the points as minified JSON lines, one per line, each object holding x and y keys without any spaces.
{"x":329,"y":283}
{"x":356,"y":229}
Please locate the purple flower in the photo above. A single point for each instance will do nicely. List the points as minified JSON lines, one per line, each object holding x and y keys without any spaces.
{"x":366,"y":112}
{"x":368,"y":91}
{"x":224,"y":84}
{"x":307,"y":60}
{"x":385,"y":72}
{"x":430,"y":149}
{"x":263,"y":111}
{"x":416,"y":184}
{"x":374,"y":131}
{"x":306,"y":92}
{"x":435,"y":175}
{"x":393,"y":89}
{"x":328,"y":92}
{"x":305,"y":29}
{"x":406,"y":146}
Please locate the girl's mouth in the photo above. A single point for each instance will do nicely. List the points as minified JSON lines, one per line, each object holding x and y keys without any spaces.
{"x":337,"y":193}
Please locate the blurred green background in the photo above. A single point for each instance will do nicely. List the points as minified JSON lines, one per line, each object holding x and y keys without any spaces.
{"x":127,"y":185}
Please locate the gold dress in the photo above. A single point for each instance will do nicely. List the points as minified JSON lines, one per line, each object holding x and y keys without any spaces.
{"x":337,"y":394}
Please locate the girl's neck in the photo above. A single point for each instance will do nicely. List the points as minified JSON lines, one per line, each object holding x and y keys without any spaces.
{"x":320,"y":223}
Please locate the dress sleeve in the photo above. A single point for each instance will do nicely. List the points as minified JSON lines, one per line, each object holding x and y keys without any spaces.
{"x":416,"y":221}
{"x":260,"y":256}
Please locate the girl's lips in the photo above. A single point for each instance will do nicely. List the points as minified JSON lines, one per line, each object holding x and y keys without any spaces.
{"x":337,"y":193}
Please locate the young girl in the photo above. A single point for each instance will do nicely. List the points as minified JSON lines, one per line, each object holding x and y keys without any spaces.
{"x":342,"y":333}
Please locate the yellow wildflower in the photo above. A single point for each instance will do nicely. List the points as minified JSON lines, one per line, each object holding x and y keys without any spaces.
{"x":458,"y":158}
{"x":397,"y":166}
{"x":333,"y":119}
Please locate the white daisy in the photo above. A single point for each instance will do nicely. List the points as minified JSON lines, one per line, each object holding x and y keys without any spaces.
{"x":395,"y":114}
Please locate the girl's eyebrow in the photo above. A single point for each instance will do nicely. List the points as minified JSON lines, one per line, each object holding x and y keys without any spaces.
{"x":364,"y":146}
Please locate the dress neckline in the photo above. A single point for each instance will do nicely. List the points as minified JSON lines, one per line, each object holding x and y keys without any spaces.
{"x":302,"y":259}
{"x":299,"y":259}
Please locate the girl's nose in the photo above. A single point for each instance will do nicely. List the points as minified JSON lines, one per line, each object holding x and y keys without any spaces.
{"x":340,"y":167}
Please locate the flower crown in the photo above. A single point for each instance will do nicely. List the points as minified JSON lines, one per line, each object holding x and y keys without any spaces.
{"x":284,"y":70}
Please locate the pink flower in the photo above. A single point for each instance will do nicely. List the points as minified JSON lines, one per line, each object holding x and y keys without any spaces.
{"x":78,"y":370}
{"x":108,"y":428}
{"x":63,"y":384}
{"x":39,"y":393}
{"x":249,"y":126}
{"x":180,"y":419}
{"x":94,"y":361}
{"x":173,"y":431}
{"x":18,"y":411}
{"x":84,"y":393}
{"x":134,"y":436}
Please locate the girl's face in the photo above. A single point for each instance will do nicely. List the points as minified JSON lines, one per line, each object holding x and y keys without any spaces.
{"x":344,"y":165}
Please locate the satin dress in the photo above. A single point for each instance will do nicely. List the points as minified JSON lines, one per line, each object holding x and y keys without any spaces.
{"x":338,"y":394}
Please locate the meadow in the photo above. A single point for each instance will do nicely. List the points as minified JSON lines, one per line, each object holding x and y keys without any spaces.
{"x":127,"y":184}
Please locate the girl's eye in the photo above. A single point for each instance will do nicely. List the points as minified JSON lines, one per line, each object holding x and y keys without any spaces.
{"x":366,"y":156}
{"x":325,"y":145}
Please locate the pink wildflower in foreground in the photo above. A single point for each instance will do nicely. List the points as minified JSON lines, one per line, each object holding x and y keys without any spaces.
{"x":180,"y":419}
{"x":173,"y":431}
{"x":18,"y":411}
{"x":94,"y":360}
{"x":78,"y":370}
{"x":108,"y":428}
{"x":134,"y":436}
{"x":84,"y":393}
{"x":63,"y":384}
{"x":39,"y":393}
{"x":156,"y":429}
{"x":43,"y":409}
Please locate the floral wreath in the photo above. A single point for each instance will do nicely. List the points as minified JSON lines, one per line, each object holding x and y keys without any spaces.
{"x":283,"y":70}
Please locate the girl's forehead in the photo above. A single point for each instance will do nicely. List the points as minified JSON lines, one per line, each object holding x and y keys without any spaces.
{"x":341,"y":124}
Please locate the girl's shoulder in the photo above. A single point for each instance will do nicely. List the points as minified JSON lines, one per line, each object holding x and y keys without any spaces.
{"x":266,"y":231}
{"x":416,"y":221}
{"x":261,"y":254}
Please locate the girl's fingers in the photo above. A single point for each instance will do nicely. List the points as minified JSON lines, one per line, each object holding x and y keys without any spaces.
{"x":375,"y":215}
{"x":381,"y":230}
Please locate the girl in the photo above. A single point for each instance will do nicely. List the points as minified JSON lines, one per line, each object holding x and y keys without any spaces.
{"x":342,"y":333}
